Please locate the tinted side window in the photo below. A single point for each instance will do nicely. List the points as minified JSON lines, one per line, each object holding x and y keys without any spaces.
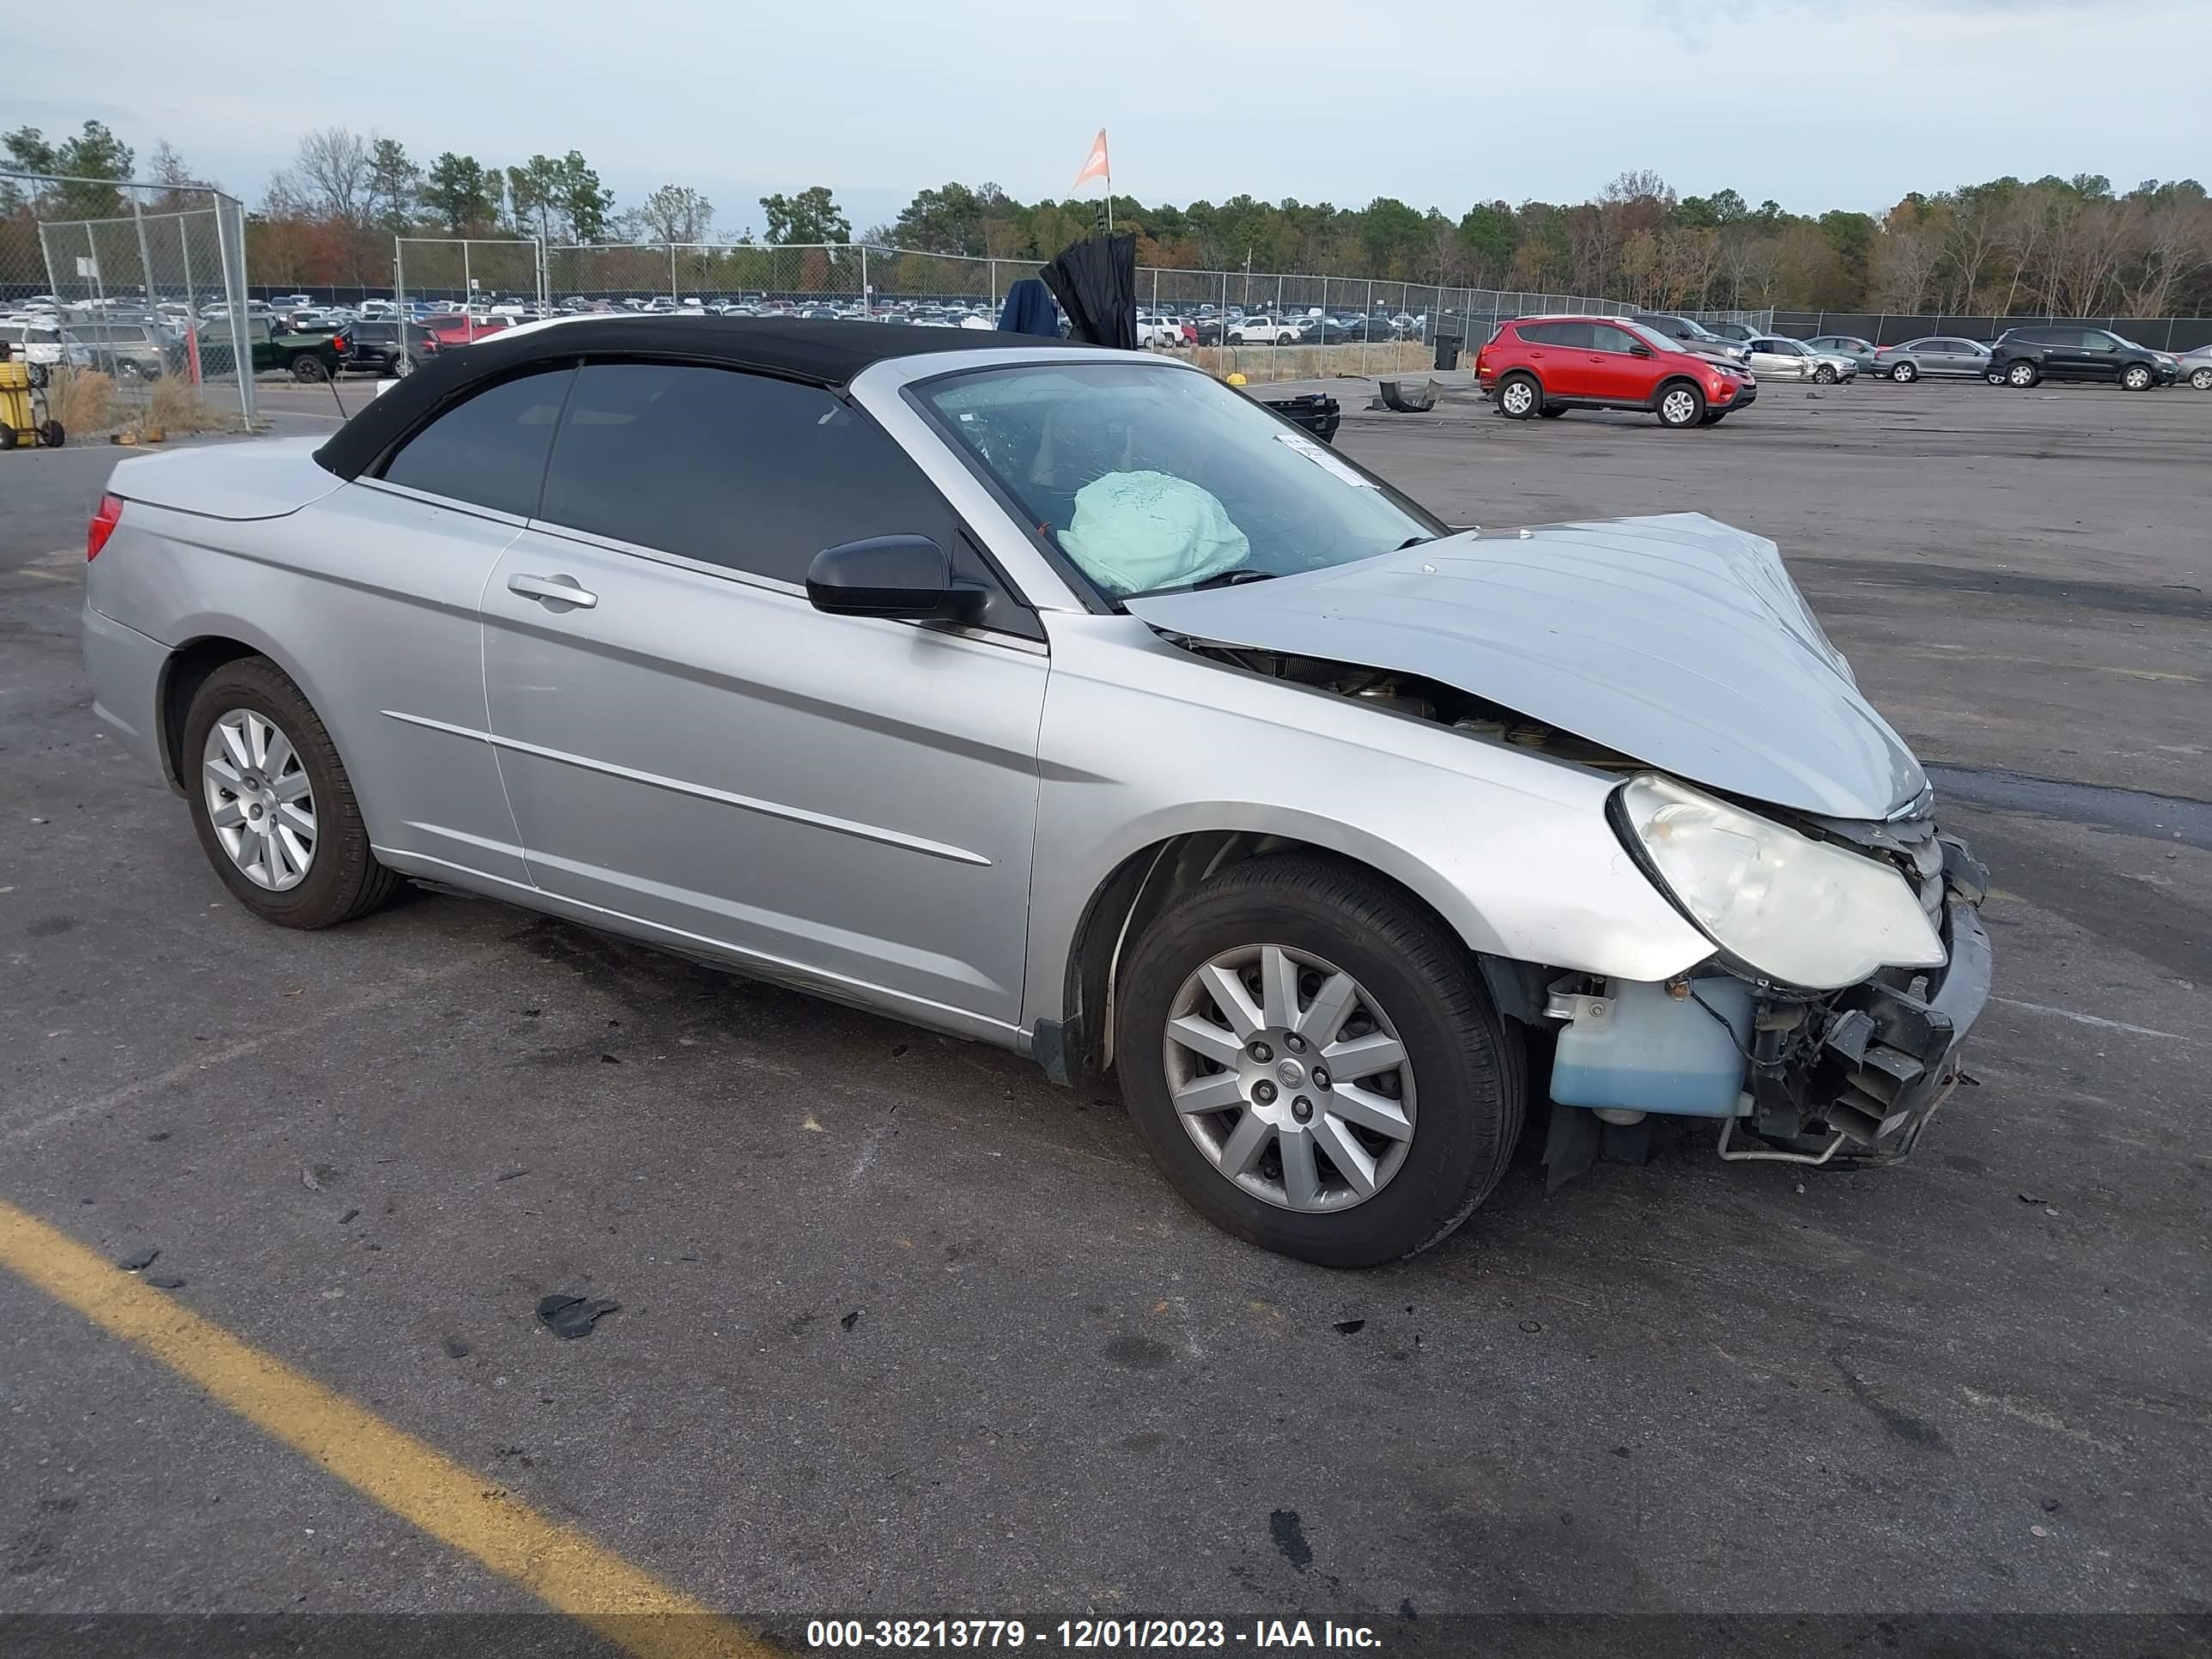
{"x":732,"y":469}
{"x":1606,"y":338}
{"x":490,"y":450}
{"x":1571,"y":335}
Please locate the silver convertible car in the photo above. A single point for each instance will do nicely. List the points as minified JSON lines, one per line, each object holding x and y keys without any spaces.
{"x":1065,"y":699}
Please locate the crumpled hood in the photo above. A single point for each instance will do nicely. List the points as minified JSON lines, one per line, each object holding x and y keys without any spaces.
{"x":1674,"y":640}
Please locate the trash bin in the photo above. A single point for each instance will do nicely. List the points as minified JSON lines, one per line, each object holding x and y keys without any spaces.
{"x":1448,"y":347}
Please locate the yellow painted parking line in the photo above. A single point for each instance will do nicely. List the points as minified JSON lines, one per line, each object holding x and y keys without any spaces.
{"x":458,"y":1506}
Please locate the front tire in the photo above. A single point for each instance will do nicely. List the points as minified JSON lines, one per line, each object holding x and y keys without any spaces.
{"x":272,"y":803}
{"x":2022,"y":376}
{"x":1519,"y":397}
{"x":1681,"y":405}
{"x":1235,"y":1005}
{"x":2136,"y":378}
{"x":1825,"y":375}
{"x":1904,"y":374}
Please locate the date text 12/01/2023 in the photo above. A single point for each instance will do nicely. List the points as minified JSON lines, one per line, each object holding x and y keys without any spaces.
{"x":1088,"y":1635}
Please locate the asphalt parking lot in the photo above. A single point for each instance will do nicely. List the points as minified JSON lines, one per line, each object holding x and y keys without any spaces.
{"x":904,"y":1330}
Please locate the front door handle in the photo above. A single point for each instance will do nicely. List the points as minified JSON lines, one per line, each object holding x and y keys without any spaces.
{"x":559,"y":590}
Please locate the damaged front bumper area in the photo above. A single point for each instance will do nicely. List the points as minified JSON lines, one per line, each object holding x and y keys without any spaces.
{"x":1857,"y":1074}
{"x":1793,"y":1076}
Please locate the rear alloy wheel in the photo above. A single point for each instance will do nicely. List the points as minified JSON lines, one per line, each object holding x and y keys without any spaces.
{"x":2023,"y":375}
{"x":1313,"y":1064}
{"x":1904,"y":374}
{"x":1681,"y":405}
{"x":1519,"y":397}
{"x":273,"y":807}
{"x":1826,"y":374}
{"x":2201,"y":378}
{"x":2136,"y":378}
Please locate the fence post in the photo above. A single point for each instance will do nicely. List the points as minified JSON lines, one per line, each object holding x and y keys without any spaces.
{"x":230,"y":239}
{"x":191,"y":302}
{"x":671,"y":269}
{"x":145,"y":257}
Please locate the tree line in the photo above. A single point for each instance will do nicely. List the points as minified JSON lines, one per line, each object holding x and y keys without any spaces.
{"x":2063,"y":247}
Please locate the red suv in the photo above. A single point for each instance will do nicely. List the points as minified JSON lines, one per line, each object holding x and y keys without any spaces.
{"x":1548,"y":365}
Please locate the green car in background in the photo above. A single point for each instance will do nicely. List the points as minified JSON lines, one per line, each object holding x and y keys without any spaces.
{"x":306,"y":355}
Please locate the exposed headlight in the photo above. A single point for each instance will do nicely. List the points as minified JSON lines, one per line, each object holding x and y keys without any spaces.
{"x":1796,"y":910}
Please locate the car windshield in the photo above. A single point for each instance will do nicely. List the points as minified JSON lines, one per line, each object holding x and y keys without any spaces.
{"x":1652,"y":337}
{"x":1156,"y":479}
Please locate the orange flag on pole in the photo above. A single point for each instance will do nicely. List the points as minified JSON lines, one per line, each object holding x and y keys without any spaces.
{"x":1097,"y":167}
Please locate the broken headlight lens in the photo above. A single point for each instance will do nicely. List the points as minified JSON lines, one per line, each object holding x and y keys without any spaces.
{"x":1796,"y":910}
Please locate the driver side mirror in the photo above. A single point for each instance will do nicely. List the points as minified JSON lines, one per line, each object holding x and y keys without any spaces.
{"x":906,"y":577}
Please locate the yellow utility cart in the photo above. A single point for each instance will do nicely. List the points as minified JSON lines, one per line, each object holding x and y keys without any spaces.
{"x":24,"y":417}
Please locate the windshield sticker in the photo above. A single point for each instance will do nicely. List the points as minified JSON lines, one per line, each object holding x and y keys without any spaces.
{"x":1323,"y":460}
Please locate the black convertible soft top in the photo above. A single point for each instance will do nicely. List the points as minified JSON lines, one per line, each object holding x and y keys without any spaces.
{"x":823,"y":353}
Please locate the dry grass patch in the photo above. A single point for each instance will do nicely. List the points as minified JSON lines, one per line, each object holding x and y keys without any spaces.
{"x":82,"y":400}
{"x":177,"y":406}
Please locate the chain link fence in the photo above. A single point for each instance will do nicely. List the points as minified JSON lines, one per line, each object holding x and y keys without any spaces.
{"x":1265,"y":325}
{"x":129,"y":300}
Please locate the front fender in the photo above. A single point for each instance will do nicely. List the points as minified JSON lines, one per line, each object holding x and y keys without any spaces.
{"x":1142,"y":741}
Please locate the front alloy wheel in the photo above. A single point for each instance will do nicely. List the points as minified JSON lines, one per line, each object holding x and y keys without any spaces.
{"x":1681,"y":405}
{"x":1826,"y":374}
{"x":1290,"y":1078}
{"x":1268,"y":1025}
{"x":2136,"y":378}
{"x":259,"y":799}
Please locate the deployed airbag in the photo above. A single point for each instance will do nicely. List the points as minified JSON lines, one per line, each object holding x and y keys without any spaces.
{"x":1135,"y":530}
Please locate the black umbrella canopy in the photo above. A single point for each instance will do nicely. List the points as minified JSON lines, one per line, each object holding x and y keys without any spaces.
{"x":1095,"y":283}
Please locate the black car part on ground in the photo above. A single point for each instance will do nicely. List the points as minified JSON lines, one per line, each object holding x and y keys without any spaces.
{"x":1316,"y":412}
{"x":1096,"y":282}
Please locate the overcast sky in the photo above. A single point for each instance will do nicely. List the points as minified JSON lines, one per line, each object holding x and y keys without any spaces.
{"x":1814,"y":104}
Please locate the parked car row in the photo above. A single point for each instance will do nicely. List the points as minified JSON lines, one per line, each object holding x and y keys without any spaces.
{"x":1687,"y":374}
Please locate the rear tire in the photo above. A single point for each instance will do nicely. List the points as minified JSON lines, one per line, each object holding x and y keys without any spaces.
{"x":343,"y":879}
{"x":1519,"y":397}
{"x":8,"y":438}
{"x":1328,"y":922}
{"x":1680,"y":404}
{"x":2022,"y":376}
{"x":53,"y":435}
{"x":2201,"y":378}
{"x":308,"y":370}
{"x":1904,"y":374}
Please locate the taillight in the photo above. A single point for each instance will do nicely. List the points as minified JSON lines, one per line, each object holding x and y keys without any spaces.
{"x":104,"y":517}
